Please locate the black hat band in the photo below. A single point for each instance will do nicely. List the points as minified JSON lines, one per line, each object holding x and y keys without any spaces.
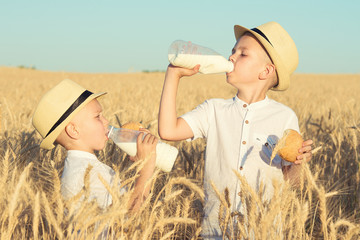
{"x":262,"y":34}
{"x":73,"y":106}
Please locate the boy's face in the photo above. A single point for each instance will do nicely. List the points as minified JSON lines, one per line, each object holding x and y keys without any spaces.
{"x":249,"y":58}
{"x":92,"y":127}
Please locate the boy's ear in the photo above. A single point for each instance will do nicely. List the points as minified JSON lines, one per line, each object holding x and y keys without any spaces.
{"x":72,"y":131}
{"x":268,"y":71}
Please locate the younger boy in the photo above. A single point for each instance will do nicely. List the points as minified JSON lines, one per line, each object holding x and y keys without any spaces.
{"x":71,"y":116}
{"x":240,"y":131}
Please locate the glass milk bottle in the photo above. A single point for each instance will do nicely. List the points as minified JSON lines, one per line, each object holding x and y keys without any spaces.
{"x":125,"y":139}
{"x":188,"y":55}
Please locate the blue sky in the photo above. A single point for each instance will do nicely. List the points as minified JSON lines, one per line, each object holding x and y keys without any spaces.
{"x":130,"y":36}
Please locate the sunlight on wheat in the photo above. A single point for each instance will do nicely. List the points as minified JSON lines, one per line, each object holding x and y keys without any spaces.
{"x":324,"y":205}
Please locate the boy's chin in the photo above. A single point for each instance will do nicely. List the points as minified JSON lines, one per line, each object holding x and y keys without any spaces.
{"x":228,"y":79}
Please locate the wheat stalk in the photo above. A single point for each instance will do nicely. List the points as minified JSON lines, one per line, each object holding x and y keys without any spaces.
{"x":37,"y":215}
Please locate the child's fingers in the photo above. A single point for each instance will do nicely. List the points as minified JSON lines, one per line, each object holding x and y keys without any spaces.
{"x":149,"y":138}
{"x":196,"y":68}
{"x":193,"y":71}
{"x":152,"y":139}
{"x":305,"y":152}
{"x":305,"y":149}
{"x":156,"y":140}
{"x":307,"y":143}
{"x":139,"y":139}
{"x":145,"y":138}
{"x":145,"y":130}
{"x":306,"y":157}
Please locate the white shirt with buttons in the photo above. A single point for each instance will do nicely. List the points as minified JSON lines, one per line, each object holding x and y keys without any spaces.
{"x":238,"y":137}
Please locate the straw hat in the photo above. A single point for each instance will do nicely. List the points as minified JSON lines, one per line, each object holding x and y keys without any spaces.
{"x":280,"y":47}
{"x":57,"y":107}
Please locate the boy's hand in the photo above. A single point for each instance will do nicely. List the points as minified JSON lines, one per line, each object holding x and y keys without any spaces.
{"x":180,"y":72}
{"x":305,"y":152}
{"x":145,"y":147}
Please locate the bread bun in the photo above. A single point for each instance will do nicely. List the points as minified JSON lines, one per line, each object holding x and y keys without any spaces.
{"x":133,"y":125}
{"x":292,"y":142}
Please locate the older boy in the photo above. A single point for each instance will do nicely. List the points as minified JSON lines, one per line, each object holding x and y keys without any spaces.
{"x":239,"y":131}
{"x":71,"y":116}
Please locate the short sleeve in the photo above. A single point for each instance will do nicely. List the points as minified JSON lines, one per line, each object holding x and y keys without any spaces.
{"x":198,"y":119}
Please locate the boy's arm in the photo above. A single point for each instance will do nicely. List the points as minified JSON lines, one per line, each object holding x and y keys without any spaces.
{"x":293,"y":171}
{"x":170,"y":126}
{"x":146,"y":151}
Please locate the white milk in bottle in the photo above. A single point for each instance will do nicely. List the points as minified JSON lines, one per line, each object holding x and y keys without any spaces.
{"x":126,"y":140}
{"x":188,"y":55}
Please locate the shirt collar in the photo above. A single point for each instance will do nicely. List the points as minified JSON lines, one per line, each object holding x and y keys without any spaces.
{"x":252,"y":106}
{"x":80,"y":154}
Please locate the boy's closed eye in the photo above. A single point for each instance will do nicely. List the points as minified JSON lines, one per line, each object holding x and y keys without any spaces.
{"x":98,"y":115}
{"x":243,"y":51}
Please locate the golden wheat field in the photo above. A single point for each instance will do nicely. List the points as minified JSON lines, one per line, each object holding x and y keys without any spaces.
{"x":325,"y":205}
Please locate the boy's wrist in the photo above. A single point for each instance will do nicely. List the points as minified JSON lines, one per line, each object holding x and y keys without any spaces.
{"x":173,"y":73}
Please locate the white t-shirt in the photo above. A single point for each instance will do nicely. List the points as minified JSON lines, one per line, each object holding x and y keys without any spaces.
{"x":238,"y":137}
{"x":72,"y":179}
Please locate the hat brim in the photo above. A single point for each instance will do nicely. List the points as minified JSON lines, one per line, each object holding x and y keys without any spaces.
{"x":283,"y":79}
{"x":48,"y":142}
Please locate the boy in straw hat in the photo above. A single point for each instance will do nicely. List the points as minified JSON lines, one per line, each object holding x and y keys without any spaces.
{"x":71,"y":116}
{"x":238,"y":131}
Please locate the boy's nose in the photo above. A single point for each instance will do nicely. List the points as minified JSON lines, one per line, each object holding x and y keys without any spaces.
{"x":231,"y":58}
